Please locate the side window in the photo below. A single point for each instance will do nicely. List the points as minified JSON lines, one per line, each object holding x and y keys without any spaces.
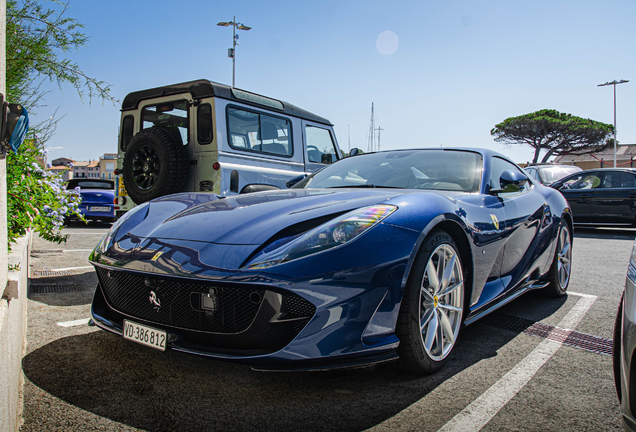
{"x":583,"y":181}
{"x":172,"y":116}
{"x":618,"y":180}
{"x":256,"y":132}
{"x":319,"y":144}
{"x":497,"y":167}
{"x":204,"y":124}
{"x":126,"y":132}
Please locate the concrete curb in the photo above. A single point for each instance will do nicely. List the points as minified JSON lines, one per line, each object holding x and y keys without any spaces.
{"x":13,"y":322}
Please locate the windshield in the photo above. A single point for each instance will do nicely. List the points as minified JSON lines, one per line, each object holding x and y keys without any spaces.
{"x":552,"y":174}
{"x":450,"y":170}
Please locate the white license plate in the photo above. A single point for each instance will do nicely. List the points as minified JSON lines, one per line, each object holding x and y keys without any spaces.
{"x":99,"y":209}
{"x":145,"y":335}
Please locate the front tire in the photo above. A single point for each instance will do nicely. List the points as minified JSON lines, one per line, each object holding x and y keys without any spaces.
{"x":432,"y":308}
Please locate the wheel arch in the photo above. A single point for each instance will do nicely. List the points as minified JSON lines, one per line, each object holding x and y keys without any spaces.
{"x":458,"y":233}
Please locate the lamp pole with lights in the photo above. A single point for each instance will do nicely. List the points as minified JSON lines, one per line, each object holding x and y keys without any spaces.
{"x":614,"y":84}
{"x":232,"y":51}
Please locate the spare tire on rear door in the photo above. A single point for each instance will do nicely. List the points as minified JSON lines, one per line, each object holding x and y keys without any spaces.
{"x":154,"y":165}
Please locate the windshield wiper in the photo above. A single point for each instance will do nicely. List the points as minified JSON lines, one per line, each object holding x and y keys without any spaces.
{"x":353,"y":186}
{"x":366,"y":186}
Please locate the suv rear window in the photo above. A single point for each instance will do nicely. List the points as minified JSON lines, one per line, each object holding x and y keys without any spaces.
{"x":256,"y":132}
{"x":172,"y":116}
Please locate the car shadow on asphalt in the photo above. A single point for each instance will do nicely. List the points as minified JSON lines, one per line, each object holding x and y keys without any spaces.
{"x":157,"y":391}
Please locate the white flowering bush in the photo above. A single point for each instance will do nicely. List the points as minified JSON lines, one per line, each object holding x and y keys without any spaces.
{"x":37,"y":198}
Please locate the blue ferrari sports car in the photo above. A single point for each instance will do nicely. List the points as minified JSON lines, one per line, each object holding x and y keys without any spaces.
{"x":379,"y":257}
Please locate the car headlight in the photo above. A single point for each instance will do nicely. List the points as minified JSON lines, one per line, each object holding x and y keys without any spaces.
{"x":334,"y":233}
{"x":106,"y":241}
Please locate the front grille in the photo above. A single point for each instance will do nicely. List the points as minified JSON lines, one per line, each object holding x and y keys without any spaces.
{"x":195,"y":305}
{"x":130,"y":294}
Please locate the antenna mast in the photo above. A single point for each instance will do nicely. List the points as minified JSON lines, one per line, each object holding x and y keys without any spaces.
{"x":371,"y":145}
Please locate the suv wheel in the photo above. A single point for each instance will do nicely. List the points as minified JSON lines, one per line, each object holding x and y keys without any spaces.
{"x":154,"y":165}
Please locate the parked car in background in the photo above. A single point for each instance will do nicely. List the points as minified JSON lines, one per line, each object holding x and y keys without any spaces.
{"x":548,"y":173}
{"x":97,"y":198}
{"x":624,"y":346}
{"x":378,"y":257}
{"x":604,"y":196}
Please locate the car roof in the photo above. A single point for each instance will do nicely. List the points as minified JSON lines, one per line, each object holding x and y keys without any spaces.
{"x":203,"y":88}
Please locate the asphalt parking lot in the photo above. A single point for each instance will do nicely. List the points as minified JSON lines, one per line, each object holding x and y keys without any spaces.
{"x":510,"y":372}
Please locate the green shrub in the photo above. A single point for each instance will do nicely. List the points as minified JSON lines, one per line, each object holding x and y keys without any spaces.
{"x":37,"y":198}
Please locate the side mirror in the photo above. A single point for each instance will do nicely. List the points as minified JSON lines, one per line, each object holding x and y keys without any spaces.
{"x":510,"y":181}
{"x":295,"y":180}
{"x":14,"y":124}
{"x":355,"y":151}
{"x":328,"y":158}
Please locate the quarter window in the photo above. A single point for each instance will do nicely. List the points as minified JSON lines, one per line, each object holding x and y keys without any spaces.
{"x":256,"y":132}
{"x":320,"y":146}
{"x":172,"y":116}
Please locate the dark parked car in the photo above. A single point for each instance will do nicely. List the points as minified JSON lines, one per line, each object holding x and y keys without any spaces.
{"x":378,"y":257}
{"x":97,"y":198}
{"x":624,"y":346}
{"x":601,"y":196}
{"x":549,"y":173}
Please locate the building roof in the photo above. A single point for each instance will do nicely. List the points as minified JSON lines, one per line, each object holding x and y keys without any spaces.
{"x":623,"y":153}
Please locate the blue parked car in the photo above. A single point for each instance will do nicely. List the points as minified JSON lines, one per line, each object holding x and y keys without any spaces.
{"x":378,"y":257}
{"x":97,"y":198}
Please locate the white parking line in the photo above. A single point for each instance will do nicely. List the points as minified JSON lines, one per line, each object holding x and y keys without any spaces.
{"x":485,"y":407}
{"x":75,"y":323}
{"x":477,"y":414}
{"x":71,"y":268}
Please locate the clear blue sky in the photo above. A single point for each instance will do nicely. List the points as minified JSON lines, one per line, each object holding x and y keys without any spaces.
{"x":446,"y":75}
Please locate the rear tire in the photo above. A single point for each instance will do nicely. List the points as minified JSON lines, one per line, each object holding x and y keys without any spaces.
{"x":616,"y":350}
{"x":432,"y":308}
{"x":559,"y":275}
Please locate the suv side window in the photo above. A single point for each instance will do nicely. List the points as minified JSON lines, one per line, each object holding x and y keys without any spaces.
{"x":319,"y":143}
{"x":256,"y":132}
{"x":172,"y":116}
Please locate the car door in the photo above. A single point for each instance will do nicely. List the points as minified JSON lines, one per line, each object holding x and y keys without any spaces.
{"x":524,"y":215}
{"x":578,"y":190}
{"x":614,"y":201}
{"x":320,"y":146}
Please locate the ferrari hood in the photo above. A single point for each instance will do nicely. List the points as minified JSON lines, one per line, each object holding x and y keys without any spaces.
{"x":249,"y":219}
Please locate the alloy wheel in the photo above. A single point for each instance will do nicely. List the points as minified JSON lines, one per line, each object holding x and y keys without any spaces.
{"x":564,"y":257}
{"x":145,"y":167}
{"x":441,"y":300}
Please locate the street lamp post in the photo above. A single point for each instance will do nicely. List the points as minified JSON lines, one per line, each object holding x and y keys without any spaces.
{"x":232,"y":51}
{"x":613,"y":83}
